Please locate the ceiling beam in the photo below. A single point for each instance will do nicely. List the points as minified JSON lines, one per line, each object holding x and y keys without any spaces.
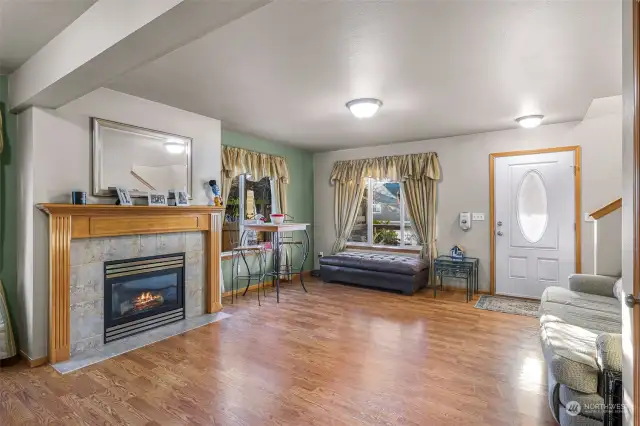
{"x":111,"y":38}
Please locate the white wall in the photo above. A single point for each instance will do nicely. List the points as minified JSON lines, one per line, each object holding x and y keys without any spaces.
{"x":24,"y":242}
{"x":628,"y":90}
{"x":608,"y":234}
{"x":60,"y":161}
{"x":69,"y":141}
{"x":465,"y":183}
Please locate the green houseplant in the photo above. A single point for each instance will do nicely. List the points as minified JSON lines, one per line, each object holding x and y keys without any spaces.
{"x":387,"y":237}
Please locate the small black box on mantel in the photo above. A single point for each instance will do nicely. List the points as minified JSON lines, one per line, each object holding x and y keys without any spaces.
{"x":78,"y":197}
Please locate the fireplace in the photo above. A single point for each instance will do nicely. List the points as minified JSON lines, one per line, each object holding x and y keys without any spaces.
{"x":142,"y":293}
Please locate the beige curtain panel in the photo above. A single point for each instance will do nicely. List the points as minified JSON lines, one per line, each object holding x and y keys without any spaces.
{"x":397,"y":168}
{"x":226,"y":188}
{"x":420,"y":197}
{"x":280,"y":192}
{"x":347,"y":198}
{"x":238,"y":161}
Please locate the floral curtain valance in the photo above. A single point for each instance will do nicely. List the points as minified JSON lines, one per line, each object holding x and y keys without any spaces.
{"x":396,"y":168}
{"x":237,"y":161}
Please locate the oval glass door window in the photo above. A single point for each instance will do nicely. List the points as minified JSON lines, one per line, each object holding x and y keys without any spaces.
{"x":532,"y":212}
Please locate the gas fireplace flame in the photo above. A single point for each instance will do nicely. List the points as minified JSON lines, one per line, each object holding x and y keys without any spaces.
{"x":146,"y":300}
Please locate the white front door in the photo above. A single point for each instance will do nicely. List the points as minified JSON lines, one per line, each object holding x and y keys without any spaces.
{"x":535,"y":222}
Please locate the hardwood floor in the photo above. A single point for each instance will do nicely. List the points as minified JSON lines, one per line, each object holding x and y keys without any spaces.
{"x":336,"y":356}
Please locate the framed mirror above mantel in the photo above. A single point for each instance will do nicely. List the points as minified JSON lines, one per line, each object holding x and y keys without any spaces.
{"x":138,"y":159}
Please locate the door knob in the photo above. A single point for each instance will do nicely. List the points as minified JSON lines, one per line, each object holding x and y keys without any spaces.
{"x":500,"y":234}
{"x":631,"y":301}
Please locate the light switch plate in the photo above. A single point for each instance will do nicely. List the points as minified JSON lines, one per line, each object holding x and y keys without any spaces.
{"x":478,"y":216}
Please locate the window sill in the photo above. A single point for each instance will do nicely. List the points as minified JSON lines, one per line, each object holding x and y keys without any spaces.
{"x":389,"y":249}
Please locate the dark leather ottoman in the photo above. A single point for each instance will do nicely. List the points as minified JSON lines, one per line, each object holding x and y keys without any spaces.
{"x":380,"y":270}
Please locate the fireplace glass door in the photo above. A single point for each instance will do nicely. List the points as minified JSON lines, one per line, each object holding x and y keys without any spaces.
{"x":149,"y":294}
{"x":143,"y":293}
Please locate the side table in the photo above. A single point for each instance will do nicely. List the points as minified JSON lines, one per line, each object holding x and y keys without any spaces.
{"x":467,"y":268}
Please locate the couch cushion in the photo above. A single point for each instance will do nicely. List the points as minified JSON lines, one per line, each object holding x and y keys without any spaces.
{"x":380,"y":262}
{"x":569,"y":325}
{"x":593,"y":312}
{"x":579,"y":420}
{"x":591,"y":404}
{"x":553,"y":393}
{"x":570,"y":352}
{"x":617,"y":289}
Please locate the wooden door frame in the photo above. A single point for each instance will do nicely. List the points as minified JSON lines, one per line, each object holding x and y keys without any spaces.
{"x":577,"y":196}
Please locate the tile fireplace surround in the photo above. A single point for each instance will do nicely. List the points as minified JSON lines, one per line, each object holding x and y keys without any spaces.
{"x":87,"y":277}
{"x":82,"y":238}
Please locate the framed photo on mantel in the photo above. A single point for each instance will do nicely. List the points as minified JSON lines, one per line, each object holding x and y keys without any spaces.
{"x":157,"y":198}
{"x":124,"y":197}
{"x":182,"y":198}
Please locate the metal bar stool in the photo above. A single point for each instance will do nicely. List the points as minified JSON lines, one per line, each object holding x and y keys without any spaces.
{"x":240,"y":252}
{"x":288,"y":249}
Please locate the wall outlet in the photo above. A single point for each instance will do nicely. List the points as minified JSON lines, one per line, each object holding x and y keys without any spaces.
{"x":477,"y":216}
{"x":320,"y":254}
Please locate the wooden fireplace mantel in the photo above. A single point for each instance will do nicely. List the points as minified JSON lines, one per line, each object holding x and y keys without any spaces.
{"x":67,"y":221}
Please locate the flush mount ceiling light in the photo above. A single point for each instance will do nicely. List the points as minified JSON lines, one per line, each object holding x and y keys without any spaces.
{"x":174,"y":147}
{"x":364,"y":107}
{"x":530,"y":121}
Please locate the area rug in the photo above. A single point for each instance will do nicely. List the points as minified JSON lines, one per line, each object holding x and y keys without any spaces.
{"x":509,"y":305}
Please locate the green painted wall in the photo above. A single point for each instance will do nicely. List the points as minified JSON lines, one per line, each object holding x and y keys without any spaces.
{"x":299,"y":192}
{"x":8,"y":202}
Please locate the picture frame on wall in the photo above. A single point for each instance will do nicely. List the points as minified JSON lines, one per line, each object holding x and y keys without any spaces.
{"x":124,"y":197}
{"x":157,"y":198}
{"x":182,"y":198}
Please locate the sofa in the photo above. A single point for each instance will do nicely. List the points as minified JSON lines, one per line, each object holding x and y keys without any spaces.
{"x":380,"y":270}
{"x":580,"y":330}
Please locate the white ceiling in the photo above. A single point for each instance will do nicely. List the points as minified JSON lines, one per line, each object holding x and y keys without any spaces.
{"x":285,"y":71}
{"x":27,"y":25}
{"x":441,"y":68}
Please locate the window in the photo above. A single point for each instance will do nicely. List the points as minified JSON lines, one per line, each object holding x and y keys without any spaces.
{"x":246,"y":200}
{"x":382,"y":218}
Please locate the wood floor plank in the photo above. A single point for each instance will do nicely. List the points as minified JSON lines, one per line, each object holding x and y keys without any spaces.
{"x":337,"y":355}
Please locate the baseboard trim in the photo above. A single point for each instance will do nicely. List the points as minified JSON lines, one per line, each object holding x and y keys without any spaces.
{"x":254,"y":287}
{"x":33,"y":363}
{"x":460,"y":289}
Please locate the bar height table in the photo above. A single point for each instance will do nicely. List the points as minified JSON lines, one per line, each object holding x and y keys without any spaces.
{"x":276,"y":241}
